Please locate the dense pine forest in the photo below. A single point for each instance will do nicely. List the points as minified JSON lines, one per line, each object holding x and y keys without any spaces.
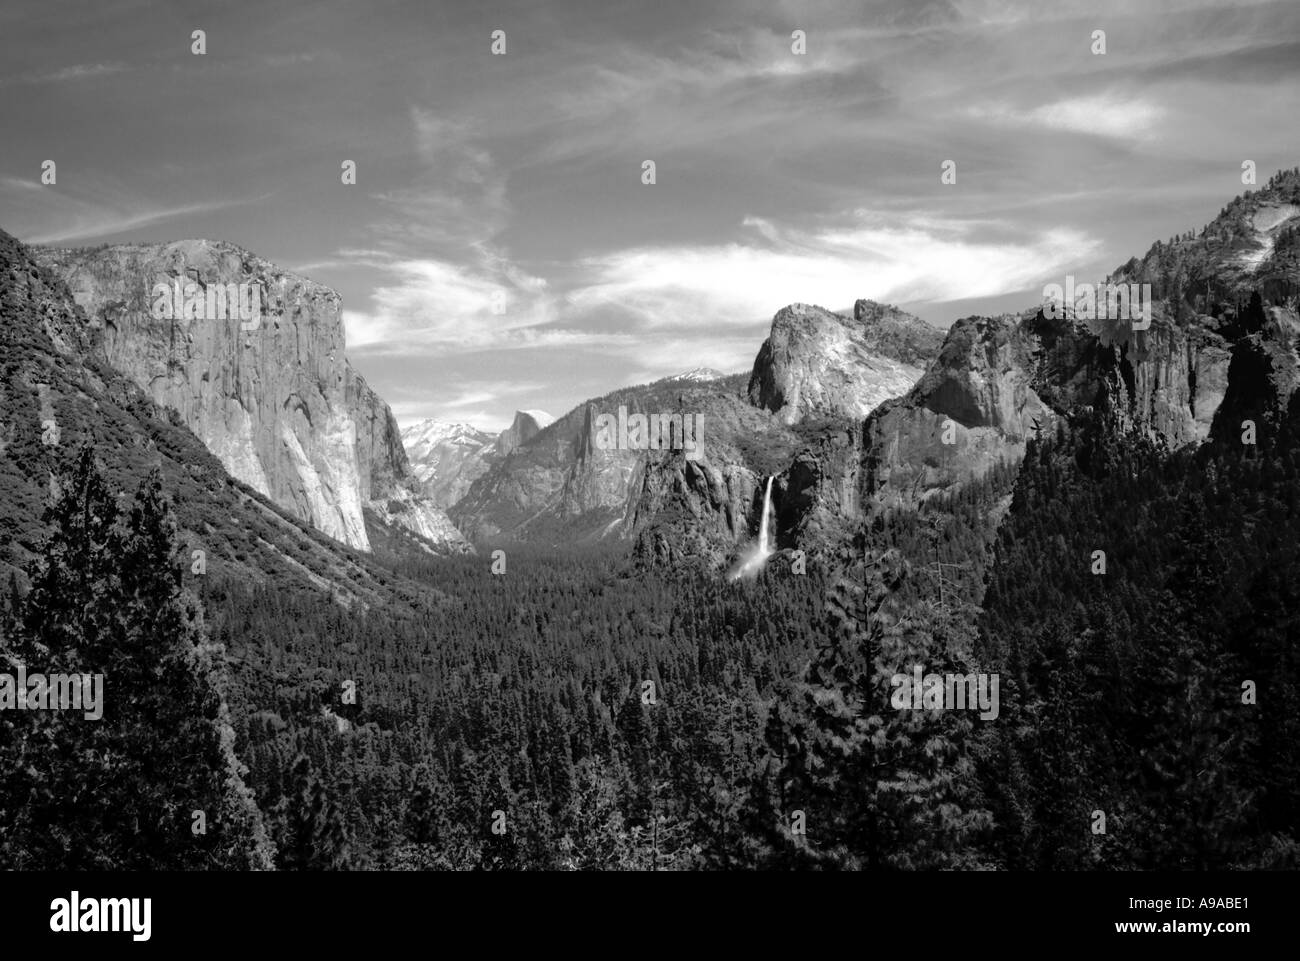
{"x":577,"y":711}
{"x":597,"y":717}
{"x":1163,"y":692}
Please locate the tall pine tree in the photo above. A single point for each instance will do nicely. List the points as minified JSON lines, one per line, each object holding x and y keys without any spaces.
{"x":154,"y":783}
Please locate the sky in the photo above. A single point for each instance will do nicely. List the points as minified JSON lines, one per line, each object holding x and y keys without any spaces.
{"x":499,"y":249}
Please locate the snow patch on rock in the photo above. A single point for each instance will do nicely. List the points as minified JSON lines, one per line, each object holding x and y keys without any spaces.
{"x":1266,"y":223}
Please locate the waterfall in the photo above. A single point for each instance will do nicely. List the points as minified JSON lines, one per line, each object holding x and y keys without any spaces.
{"x":759,"y":553}
{"x":764,"y":548}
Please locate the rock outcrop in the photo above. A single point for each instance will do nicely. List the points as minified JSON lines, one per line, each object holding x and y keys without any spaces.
{"x":998,"y":381}
{"x":847,"y":414}
{"x":275,"y":399}
{"x":975,"y":405}
{"x":1252,"y":246}
{"x":817,"y":363}
{"x":526,"y":425}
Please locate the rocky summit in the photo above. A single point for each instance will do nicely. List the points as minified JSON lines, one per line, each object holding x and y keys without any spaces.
{"x":883,"y":410}
{"x":526,"y":425}
{"x":819,"y":363}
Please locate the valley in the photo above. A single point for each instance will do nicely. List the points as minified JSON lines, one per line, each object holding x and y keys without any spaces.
{"x":874,"y":500}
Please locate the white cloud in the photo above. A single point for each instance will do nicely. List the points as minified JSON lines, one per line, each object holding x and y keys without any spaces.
{"x":458,"y":198}
{"x":437,"y":304}
{"x":914,"y":260}
{"x":1106,"y":115}
{"x":455,"y":288}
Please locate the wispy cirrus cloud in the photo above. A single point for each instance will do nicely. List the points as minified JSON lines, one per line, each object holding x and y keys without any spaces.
{"x":456,"y":196}
{"x":288,"y":59}
{"x":97,"y":222}
{"x":432,"y":304}
{"x":472,"y":298}
{"x":17,"y":183}
{"x":74,"y":72}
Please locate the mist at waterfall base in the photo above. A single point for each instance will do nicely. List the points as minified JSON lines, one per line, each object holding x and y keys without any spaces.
{"x":752,"y":561}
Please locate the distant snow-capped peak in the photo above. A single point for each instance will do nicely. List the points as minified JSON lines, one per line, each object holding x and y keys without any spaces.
{"x":698,"y":374}
{"x":431,"y":433}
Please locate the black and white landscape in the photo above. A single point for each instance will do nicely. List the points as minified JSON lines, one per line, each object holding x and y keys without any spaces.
{"x":613,"y":436}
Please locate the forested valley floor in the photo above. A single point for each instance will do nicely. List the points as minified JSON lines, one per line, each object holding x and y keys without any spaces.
{"x":581,"y":711}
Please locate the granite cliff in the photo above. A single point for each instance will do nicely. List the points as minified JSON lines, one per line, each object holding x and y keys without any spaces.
{"x":275,"y":400}
{"x":552,"y":482}
{"x":816,"y":362}
{"x":58,"y":392}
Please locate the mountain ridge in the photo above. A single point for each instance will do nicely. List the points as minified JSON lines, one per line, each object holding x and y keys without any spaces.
{"x":999,"y":380}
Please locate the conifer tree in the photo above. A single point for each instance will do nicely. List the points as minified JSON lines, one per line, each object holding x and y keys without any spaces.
{"x":878,"y":787}
{"x":154,"y":783}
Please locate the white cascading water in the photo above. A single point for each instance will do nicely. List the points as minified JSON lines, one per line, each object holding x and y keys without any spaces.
{"x":757,"y":557}
{"x":764,"y":547}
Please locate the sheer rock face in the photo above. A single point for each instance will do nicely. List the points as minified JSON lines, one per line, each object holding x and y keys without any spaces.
{"x":277,"y":403}
{"x":382,"y":465}
{"x":526,"y":425}
{"x":1220,"y":349}
{"x":975,"y":405}
{"x":551,"y":480}
{"x":815,"y":378}
{"x":997,"y":381}
{"x":391,"y":491}
{"x":818,"y":363}
{"x":55,"y":375}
